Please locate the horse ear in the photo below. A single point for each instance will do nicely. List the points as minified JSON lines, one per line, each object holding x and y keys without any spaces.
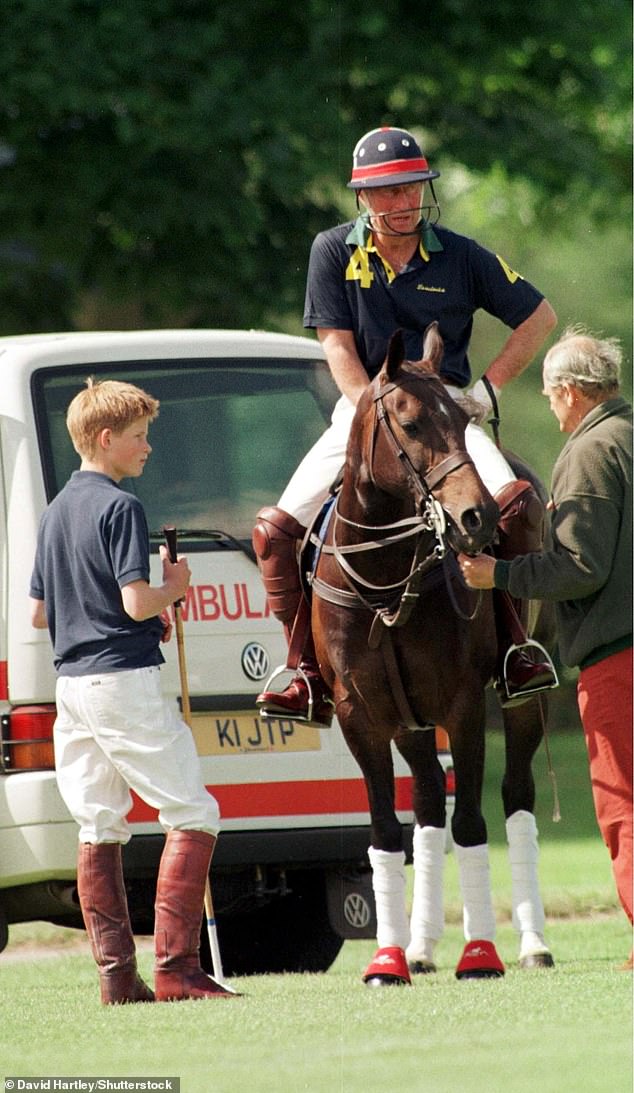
{"x":433,"y":346}
{"x":395,"y":355}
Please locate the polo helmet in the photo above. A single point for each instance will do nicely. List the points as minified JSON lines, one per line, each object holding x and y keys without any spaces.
{"x":388,"y":157}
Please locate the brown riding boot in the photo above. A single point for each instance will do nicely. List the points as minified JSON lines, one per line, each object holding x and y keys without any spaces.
{"x":276,"y":537}
{"x":525,"y":667}
{"x":178,"y":914}
{"x":104,"y":906}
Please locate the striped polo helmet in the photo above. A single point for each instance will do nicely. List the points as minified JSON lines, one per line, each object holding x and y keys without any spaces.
{"x":388,"y":157}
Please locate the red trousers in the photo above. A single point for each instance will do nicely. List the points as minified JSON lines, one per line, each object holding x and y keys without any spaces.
{"x":604,"y":693}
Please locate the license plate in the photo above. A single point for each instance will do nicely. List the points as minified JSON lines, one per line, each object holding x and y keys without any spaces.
{"x":240,"y":733}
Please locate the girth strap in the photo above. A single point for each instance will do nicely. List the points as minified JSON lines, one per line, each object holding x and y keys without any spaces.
{"x":406,"y":715}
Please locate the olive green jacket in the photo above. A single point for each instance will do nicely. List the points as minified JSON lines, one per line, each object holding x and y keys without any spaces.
{"x":588,"y":572}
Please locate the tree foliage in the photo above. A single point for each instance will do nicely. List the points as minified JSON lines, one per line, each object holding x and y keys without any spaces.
{"x":169,"y":162}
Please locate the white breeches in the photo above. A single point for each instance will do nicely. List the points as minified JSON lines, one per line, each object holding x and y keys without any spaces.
{"x":309,"y":486}
{"x":117,"y":732}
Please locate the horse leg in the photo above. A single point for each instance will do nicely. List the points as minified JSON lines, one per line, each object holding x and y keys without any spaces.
{"x":523,"y":732}
{"x":388,"y":883}
{"x":479,"y":958}
{"x":387,"y":858}
{"x":427,"y":920}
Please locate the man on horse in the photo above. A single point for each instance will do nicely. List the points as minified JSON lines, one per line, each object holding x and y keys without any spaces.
{"x":394,"y":268}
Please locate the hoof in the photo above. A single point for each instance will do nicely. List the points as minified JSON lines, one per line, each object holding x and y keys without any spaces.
{"x":388,"y":968}
{"x":479,"y":960}
{"x":422,"y":967}
{"x":537,"y":960}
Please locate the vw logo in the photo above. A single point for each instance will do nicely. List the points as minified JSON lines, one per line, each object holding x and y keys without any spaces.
{"x":356,"y":910}
{"x":255,"y":661}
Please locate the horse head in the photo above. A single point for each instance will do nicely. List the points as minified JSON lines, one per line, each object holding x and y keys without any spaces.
{"x":417,"y":444}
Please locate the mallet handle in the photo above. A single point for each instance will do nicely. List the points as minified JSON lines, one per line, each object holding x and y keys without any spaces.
{"x":171,"y":541}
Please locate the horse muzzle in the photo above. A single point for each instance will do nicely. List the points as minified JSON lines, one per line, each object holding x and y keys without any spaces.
{"x":473,"y":529}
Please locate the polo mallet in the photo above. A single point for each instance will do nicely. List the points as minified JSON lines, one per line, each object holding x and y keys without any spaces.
{"x":212,"y":930}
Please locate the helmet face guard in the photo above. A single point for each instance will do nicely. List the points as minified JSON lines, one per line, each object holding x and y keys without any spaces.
{"x":388,"y":157}
{"x":429,"y":214}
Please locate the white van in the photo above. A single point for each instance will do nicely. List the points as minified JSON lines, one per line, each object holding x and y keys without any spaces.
{"x":238,"y":411}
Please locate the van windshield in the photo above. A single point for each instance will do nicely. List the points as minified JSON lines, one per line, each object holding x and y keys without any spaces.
{"x":229,"y":434}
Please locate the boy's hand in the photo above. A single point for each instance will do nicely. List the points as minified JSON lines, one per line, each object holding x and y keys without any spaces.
{"x":176,"y":575}
{"x":167,"y":626}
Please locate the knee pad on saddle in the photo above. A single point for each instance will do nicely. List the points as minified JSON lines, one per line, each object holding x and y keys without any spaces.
{"x":275,"y":538}
{"x":521,"y":523}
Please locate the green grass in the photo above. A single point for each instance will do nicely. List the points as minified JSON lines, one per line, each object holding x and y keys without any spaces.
{"x":556,"y":1031}
{"x":561,"y":1030}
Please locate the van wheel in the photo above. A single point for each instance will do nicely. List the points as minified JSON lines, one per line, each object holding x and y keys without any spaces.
{"x":292,"y":933}
{"x":4,"y":931}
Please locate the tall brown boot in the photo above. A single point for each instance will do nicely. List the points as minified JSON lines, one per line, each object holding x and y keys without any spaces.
{"x":525,"y":667}
{"x":104,"y":906}
{"x":276,"y":537}
{"x":178,"y":914}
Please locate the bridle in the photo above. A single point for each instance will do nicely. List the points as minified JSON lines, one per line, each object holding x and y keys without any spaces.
{"x":422,"y":485}
{"x":430,"y":517}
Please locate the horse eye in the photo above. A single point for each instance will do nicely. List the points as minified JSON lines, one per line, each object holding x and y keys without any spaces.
{"x":410,"y":428}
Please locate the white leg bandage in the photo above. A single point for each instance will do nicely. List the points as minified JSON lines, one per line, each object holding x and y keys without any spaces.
{"x":475,"y":885}
{"x":428,"y":917}
{"x":388,"y":882}
{"x":528,"y":910}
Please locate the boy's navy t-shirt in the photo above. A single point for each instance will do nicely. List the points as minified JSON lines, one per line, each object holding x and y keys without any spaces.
{"x":92,"y":541}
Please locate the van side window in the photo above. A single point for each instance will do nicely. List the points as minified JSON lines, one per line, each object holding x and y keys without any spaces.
{"x":228,"y":436}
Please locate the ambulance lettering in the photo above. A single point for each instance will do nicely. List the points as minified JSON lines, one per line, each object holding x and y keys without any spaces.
{"x":210,"y":602}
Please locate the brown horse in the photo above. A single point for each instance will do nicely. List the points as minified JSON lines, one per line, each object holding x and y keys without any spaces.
{"x":405,"y":646}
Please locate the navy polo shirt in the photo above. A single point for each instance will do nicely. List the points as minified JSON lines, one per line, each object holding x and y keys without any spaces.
{"x":92,"y":541}
{"x":350,"y":287}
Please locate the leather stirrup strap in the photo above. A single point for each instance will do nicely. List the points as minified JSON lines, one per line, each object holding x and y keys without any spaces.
{"x":300,"y":634}
{"x":510,"y":617}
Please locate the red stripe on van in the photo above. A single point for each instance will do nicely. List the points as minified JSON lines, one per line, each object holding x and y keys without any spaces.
{"x":311,"y":798}
{"x":4,"y":679}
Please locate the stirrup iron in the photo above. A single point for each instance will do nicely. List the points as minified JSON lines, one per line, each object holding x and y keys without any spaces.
{"x":276,"y":715}
{"x":521,"y":695}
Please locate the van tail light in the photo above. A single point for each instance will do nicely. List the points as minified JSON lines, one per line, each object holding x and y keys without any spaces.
{"x":26,"y":737}
{"x":443,"y":749}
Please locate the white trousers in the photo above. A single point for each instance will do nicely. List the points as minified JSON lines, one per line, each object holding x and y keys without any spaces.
{"x":309,"y":486}
{"x":117,"y":732}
